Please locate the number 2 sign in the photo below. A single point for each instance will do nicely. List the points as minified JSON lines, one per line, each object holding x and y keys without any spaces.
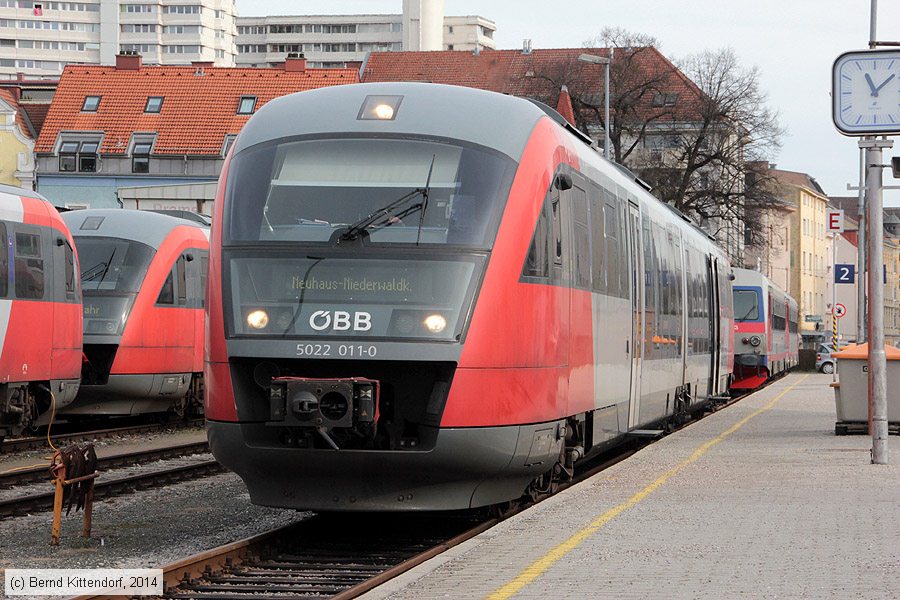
{"x":845,"y":273}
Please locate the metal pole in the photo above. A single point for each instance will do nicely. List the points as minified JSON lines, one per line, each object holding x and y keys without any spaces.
{"x":834,"y":319}
{"x":861,"y":252}
{"x":877,"y":361}
{"x":606,"y":104}
{"x":873,"y":20}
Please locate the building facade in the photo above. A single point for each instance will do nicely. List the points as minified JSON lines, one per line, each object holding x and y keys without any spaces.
{"x":39,"y":38}
{"x":137,"y":126}
{"x":16,"y":143}
{"x":329,"y":41}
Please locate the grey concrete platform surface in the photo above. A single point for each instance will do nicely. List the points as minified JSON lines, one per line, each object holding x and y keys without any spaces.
{"x":760,"y":500}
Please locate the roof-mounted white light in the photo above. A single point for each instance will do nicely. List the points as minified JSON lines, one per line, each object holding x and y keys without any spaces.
{"x":379,"y":108}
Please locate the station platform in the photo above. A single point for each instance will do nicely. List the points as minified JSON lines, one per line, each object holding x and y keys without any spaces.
{"x":759,"y":500}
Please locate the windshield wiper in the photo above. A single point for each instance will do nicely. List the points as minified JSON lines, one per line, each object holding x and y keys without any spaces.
{"x":387,"y":212}
{"x":425,"y":194}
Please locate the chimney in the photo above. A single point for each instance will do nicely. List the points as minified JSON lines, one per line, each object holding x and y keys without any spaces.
{"x":128,"y":60}
{"x":295,"y":62}
{"x":526,"y":46}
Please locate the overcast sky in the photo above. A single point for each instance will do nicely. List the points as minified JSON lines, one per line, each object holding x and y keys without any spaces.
{"x":793,"y":42}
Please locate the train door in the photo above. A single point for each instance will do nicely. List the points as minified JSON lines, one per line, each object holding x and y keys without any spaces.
{"x":712,"y":284}
{"x":636,"y":268}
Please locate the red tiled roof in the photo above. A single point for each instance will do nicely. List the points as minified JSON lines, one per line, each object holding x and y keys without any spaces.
{"x":37,"y":114}
{"x":8,"y":97}
{"x":564,"y":105}
{"x":537,"y":74}
{"x":197,"y":113}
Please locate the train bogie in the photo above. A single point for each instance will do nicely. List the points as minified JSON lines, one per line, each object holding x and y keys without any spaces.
{"x":494,"y":299}
{"x":40,"y":311}
{"x":143,"y":276}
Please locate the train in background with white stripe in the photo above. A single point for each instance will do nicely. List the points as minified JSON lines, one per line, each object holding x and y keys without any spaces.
{"x":108,"y":321}
{"x":40,"y":311}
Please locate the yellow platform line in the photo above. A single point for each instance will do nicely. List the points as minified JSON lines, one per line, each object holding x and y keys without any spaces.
{"x":537,"y":568}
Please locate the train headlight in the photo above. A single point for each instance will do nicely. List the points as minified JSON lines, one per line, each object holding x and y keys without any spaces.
{"x":384,"y":111}
{"x":435,"y":323}
{"x":755,"y":341}
{"x":258,"y":319}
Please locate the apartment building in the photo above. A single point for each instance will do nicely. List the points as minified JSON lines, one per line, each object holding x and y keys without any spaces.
{"x":38,"y":38}
{"x":334,"y":41}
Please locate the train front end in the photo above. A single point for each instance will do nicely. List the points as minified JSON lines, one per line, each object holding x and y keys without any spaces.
{"x":353,"y":231}
{"x":751,"y":343}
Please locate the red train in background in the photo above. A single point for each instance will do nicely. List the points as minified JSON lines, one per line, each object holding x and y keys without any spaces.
{"x":143,"y":276}
{"x":40,"y":311}
{"x":428,"y":297}
{"x":766,"y":330}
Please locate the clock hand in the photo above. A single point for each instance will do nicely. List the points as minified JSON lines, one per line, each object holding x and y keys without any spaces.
{"x":871,"y":85}
{"x":884,"y":83}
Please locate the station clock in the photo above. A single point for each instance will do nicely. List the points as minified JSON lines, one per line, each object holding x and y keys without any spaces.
{"x":866,"y":92}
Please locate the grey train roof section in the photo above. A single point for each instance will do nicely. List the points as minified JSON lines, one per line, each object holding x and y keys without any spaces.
{"x":485,"y":118}
{"x":146,"y":227}
{"x":20,"y":191}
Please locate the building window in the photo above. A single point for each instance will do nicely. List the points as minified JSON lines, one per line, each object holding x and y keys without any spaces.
{"x":140,"y":157}
{"x":154,"y":104}
{"x":450,"y":29}
{"x":247,"y":105}
{"x":665,"y":99}
{"x":68,"y":152}
{"x":229,"y":141}
{"x":87,"y":157}
{"x":91,"y":104}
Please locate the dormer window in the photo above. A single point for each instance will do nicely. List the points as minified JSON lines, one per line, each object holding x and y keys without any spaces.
{"x":140,"y":157}
{"x":91,"y":104}
{"x":665,"y":100}
{"x":154,"y":104}
{"x":79,"y":156}
{"x":87,"y":157}
{"x":68,"y":155}
{"x":229,"y":141}
{"x":247,"y":105}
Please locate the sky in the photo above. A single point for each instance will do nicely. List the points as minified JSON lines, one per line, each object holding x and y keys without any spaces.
{"x":792,"y":42}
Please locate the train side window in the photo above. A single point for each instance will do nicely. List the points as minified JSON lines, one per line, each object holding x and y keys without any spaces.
{"x":598,"y":264}
{"x":557,"y":228}
{"x":651,"y":289}
{"x":537,"y":263}
{"x":582,"y":239}
{"x":4,"y":262}
{"x":29,"y":266}
{"x":167,"y":293}
{"x":181,"y":269}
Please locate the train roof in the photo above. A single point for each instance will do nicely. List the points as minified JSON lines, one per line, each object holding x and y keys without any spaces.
{"x":750,"y":277}
{"x":142,"y":226}
{"x":20,"y":191}
{"x":466,"y":114}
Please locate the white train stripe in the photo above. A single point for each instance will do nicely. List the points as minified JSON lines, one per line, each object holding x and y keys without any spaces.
{"x":5,"y":309}
{"x":11,"y":208}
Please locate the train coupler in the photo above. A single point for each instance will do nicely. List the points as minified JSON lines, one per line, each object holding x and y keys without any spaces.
{"x":323,"y":404}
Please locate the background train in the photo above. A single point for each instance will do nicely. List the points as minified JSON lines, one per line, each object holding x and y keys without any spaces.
{"x":766,"y":336}
{"x":143,"y":276}
{"x":40,"y":310}
{"x":434,"y":297}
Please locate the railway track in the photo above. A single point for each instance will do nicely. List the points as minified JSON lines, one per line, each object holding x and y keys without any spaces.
{"x":126,"y":459}
{"x":114,"y":486}
{"x":39,"y":442}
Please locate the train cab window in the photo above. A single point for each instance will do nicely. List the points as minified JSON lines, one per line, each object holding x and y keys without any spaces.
{"x":204,"y":273}
{"x":181,"y":270}
{"x":29,"y":274}
{"x":537,"y":263}
{"x":167,"y":292}
{"x":557,"y":229}
{"x":4,"y":263}
{"x":70,"y":272}
{"x":746,"y":305}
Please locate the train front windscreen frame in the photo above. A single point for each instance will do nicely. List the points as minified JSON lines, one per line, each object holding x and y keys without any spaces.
{"x":394,"y":232}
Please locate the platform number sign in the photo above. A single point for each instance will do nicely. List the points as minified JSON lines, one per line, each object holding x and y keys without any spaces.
{"x":845,"y":273}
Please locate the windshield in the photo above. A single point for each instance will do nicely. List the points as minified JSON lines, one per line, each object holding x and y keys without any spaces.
{"x":746,"y":305}
{"x":112,"y":265}
{"x":316,"y":190}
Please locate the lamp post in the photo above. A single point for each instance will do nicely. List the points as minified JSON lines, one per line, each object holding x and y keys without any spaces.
{"x":601,"y":60}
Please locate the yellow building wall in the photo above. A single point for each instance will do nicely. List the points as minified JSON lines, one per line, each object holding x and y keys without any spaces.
{"x":10,"y":148}
{"x":809,"y":265}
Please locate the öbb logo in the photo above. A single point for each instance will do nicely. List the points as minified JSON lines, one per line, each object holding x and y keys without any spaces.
{"x":322,"y":320}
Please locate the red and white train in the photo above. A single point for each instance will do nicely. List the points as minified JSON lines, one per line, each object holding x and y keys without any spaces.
{"x":766,"y":336}
{"x":143,"y":276}
{"x":40,"y":310}
{"x":427,"y":297}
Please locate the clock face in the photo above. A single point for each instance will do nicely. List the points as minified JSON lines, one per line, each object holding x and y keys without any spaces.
{"x":866,"y":92}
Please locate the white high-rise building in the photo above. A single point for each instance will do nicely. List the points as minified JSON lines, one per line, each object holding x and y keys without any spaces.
{"x":38,"y":37}
{"x":336,"y":40}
